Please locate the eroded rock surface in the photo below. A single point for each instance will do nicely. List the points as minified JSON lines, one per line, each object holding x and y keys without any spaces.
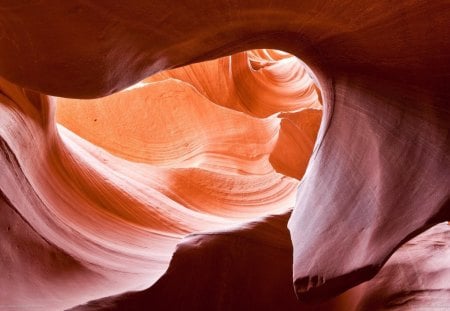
{"x":378,"y":176}
{"x":111,"y":185}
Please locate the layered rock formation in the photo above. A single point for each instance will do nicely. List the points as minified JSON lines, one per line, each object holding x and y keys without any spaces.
{"x":96,"y":206}
{"x":115,"y":183}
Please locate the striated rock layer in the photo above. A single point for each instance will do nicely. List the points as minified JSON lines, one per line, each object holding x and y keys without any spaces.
{"x":109,"y":220}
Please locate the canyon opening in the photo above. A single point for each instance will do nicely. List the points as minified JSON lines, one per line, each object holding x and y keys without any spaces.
{"x":154,"y":157}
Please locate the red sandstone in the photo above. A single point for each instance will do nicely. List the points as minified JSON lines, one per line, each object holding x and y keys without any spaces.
{"x":205,"y":162}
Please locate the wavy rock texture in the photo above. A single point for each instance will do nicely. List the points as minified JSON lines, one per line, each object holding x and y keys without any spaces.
{"x":109,"y":220}
{"x":111,"y":217}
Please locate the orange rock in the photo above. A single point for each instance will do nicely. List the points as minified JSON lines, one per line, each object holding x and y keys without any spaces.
{"x":131,"y":174}
{"x":378,"y":176}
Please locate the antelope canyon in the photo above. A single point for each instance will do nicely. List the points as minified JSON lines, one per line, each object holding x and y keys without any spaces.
{"x":225,"y":155}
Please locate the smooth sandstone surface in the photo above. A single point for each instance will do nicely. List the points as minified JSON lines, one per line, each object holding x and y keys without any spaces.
{"x":110,"y":186}
{"x":414,"y":278}
{"x":103,"y":213}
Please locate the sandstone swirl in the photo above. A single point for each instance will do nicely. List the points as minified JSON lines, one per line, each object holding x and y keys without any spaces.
{"x":113,"y":184}
{"x":96,"y":206}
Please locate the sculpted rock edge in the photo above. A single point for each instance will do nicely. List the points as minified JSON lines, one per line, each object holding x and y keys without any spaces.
{"x":380,"y":171}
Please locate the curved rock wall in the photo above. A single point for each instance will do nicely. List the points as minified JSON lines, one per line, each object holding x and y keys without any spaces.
{"x":113,"y":184}
{"x":379,"y":174}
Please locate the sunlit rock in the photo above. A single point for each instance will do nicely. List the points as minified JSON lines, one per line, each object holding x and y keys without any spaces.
{"x":96,"y":205}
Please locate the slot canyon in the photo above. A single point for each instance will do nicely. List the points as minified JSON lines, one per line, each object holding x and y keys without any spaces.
{"x":225,"y":155}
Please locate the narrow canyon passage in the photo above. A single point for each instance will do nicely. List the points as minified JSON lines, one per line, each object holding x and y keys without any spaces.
{"x":132,"y":173}
{"x":95,"y":198}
